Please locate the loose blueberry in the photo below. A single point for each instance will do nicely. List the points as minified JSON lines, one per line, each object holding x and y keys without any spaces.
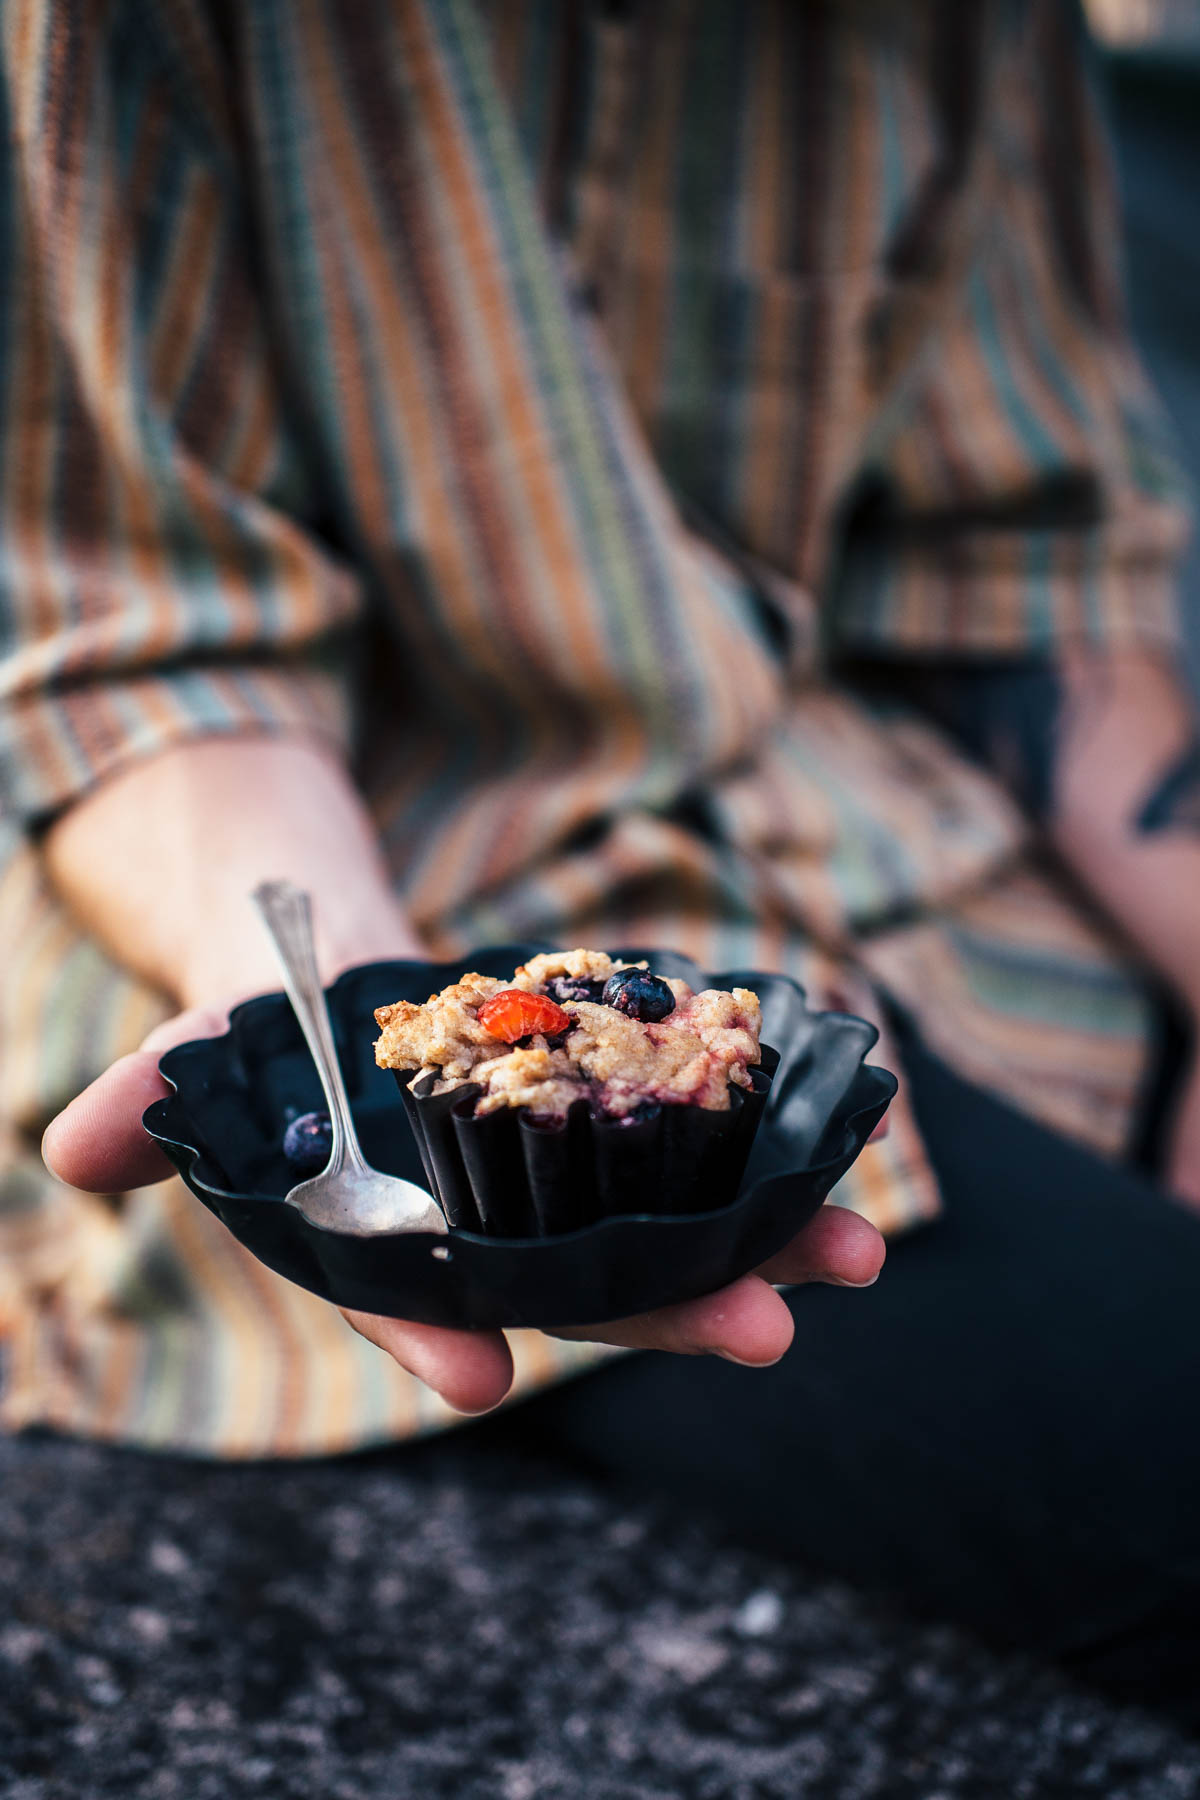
{"x":573,"y":987}
{"x":308,"y":1141}
{"x":639,"y":995}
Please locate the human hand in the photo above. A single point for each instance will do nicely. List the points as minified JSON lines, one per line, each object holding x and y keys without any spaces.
{"x":98,"y":1143}
{"x":168,"y":907}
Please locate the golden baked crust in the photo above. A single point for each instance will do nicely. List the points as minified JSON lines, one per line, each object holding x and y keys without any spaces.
{"x":618,"y":1063}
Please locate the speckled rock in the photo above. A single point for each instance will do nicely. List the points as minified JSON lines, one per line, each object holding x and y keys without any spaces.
{"x":459,"y":1622}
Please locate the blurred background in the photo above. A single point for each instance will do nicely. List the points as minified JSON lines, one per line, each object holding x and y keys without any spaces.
{"x":214,"y":1633}
{"x":1152,"y":49}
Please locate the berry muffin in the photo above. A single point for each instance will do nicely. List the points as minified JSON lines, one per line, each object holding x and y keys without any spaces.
{"x":581,"y":1088}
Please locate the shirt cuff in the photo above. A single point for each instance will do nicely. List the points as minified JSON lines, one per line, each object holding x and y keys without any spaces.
{"x":57,"y":744}
{"x":1006,"y":594}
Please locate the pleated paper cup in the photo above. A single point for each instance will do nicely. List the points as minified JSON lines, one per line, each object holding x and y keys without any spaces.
{"x":512,"y":1173}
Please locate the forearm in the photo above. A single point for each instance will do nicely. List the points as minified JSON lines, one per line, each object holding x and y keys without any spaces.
{"x":1103,"y":752}
{"x":1125,"y":803}
{"x":158,"y":862}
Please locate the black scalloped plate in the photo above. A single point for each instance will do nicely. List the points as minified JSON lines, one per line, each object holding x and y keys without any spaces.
{"x":223,"y":1128}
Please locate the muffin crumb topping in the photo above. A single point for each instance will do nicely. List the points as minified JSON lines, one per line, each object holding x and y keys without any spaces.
{"x":653,"y":1040}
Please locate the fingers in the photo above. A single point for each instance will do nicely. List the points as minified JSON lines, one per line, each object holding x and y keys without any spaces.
{"x":472,"y":1371}
{"x":746,"y":1322}
{"x":97,"y":1142}
{"x":838,"y":1247}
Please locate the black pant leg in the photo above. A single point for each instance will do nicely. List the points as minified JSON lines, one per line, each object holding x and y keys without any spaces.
{"x":1002,"y":1431}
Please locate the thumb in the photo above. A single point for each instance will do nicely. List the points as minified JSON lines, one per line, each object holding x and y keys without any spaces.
{"x":98,"y":1142}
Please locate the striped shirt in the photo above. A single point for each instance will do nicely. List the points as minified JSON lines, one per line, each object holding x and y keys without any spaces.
{"x":546,"y":402}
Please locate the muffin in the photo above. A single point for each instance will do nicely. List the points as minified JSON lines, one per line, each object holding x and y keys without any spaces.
{"x":583,"y":1087}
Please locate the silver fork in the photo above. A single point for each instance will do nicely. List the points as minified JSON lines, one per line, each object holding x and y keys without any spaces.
{"x":348,"y":1195}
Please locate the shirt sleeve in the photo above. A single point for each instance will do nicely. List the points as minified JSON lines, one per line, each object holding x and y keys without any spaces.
{"x":1023,"y":490}
{"x":156,"y":581}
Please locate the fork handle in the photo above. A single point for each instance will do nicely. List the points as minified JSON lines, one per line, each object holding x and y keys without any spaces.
{"x":286,"y":912}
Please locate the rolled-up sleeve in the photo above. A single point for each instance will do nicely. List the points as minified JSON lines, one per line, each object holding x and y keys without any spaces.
{"x":1023,"y":491}
{"x":157,"y":580}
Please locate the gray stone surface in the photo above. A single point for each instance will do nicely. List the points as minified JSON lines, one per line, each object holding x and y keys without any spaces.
{"x":457,"y":1622}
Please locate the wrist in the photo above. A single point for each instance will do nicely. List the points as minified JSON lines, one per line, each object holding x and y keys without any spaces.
{"x":160,"y":861}
{"x":230,"y":959}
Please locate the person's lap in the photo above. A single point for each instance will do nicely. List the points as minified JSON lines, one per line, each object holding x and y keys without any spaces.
{"x":999,"y":1431}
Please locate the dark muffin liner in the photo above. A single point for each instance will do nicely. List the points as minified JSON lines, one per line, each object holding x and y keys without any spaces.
{"x":510,"y":1174}
{"x":223,"y":1127}
{"x":431,"y":1117}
